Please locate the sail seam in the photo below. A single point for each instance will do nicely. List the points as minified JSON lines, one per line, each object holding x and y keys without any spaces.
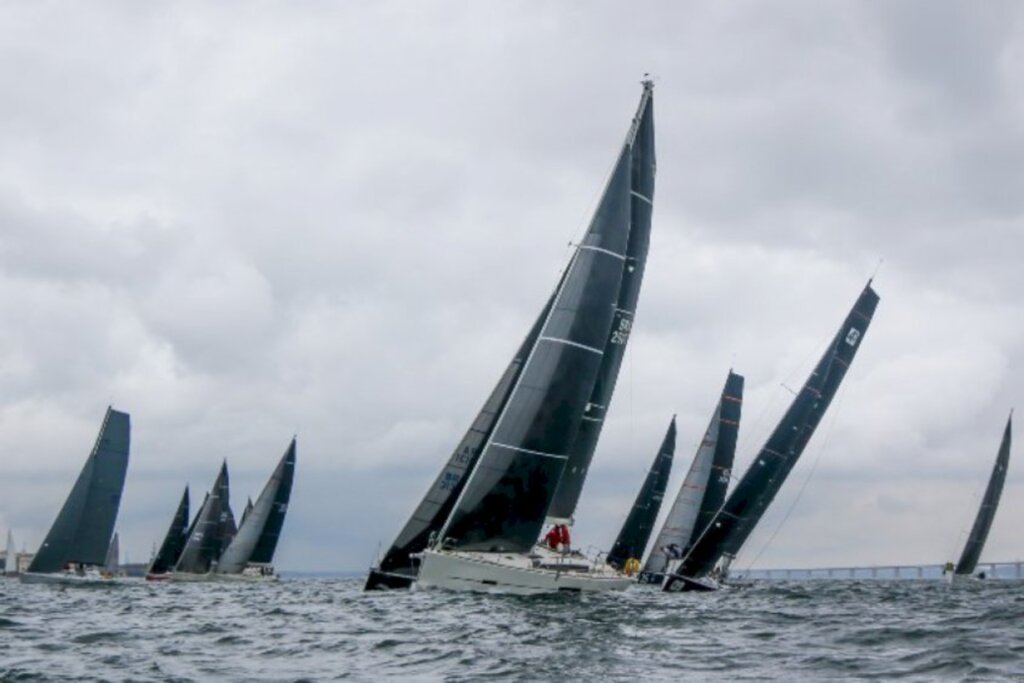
{"x":640,"y":196}
{"x":557,"y":340}
{"x":621,"y":257}
{"x":527,"y":450}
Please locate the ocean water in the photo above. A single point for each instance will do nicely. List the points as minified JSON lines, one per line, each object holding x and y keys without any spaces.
{"x":315,"y":629}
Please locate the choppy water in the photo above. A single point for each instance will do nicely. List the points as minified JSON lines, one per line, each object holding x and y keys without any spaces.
{"x":328,"y":629}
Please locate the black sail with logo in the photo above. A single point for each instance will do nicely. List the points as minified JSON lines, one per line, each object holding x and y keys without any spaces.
{"x":636,"y":531}
{"x":765,"y":476}
{"x":174,"y":541}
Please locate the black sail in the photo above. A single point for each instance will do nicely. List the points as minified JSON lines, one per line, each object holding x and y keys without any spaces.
{"x":430,"y":515}
{"x":765,"y":476}
{"x":641,"y":143}
{"x":245,"y":512}
{"x":987,"y":512}
{"x":83,"y":528}
{"x":283,"y":476}
{"x":206,"y":542}
{"x":703,"y":489}
{"x":174,"y":541}
{"x":636,"y":531}
{"x":504,"y":502}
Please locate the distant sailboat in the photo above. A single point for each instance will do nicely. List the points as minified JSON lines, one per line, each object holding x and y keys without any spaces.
{"x":11,"y":558}
{"x":76,"y":546}
{"x":206,"y":541}
{"x":703,"y":490}
{"x":112,"y":565}
{"x":250,"y":554}
{"x":636,"y":531}
{"x":745,"y":506}
{"x":487,"y":542}
{"x":173,"y":543}
{"x":986,"y":513}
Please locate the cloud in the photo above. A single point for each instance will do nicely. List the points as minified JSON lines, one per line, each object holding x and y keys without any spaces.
{"x":339,"y":221}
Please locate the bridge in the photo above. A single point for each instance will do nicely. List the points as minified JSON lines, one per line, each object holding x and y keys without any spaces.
{"x":993,"y":570}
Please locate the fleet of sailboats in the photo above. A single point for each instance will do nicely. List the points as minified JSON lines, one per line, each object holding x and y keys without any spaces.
{"x":523,"y":463}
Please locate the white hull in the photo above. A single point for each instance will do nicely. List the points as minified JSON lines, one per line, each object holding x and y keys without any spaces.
{"x":513,"y":573}
{"x":64,"y":579}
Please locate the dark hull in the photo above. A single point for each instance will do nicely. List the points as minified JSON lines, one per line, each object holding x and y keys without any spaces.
{"x":684,"y":584}
{"x":382,"y":581}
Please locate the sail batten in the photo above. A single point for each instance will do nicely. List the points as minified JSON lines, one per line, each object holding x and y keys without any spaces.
{"x":968,"y":561}
{"x":83,"y":528}
{"x":636,"y":530}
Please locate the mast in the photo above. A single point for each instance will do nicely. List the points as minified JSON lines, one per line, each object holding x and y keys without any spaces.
{"x":507,"y":495}
{"x":703,"y":490}
{"x":81,"y":533}
{"x":206,"y":540}
{"x":640,"y":142}
{"x":989,"y":504}
{"x":256,"y":539}
{"x":636,"y":531}
{"x":174,"y":540}
{"x":743,"y":509}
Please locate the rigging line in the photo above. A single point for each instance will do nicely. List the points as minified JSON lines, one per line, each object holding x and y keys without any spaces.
{"x":807,"y":479}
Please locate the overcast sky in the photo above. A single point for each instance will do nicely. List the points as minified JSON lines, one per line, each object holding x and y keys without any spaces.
{"x":242,"y":221}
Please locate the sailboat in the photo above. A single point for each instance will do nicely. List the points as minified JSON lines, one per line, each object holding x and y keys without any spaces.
{"x":174,"y":542}
{"x":703,"y":490}
{"x":730,"y":528}
{"x":986,"y":513}
{"x":75,"y":548}
{"x":11,"y":556}
{"x":636,"y":531}
{"x":250,"y":554}
{"x":206,"y":541}
{"x":112,"y":565}
{"x":488,"y":540}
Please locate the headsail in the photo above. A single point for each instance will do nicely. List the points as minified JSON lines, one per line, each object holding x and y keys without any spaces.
{"x":81,"y":533}
{"x":206,"y":541}
{"x":174,"y":541}
{"x":437,"y":504}
{"x":256,"y":539}
{"x":765,"y":476}
{"x":636,"y":531}
{"x":640,"y":141}
{"x":987,"y":512}
{"x":113,"y":561}
{"x":703,"y":490}
{"x":507,"y":495}
{"x":245,"y":512}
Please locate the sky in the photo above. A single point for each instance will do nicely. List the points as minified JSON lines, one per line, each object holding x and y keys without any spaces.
{"x":241,"y":221}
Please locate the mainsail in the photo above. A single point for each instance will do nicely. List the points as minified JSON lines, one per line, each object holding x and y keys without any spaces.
{"x":640,"y":142}
{"x":703,"y":490}
{"x":256,"y":539}
{"x":174,"y":541}
{"x":433,"y":510}
{"x":987,"y":512}
{"x":113,"y":561}
{"x":81,"y":533}
{"x":508,"y":493}
{"x":206,"y":541}
{"x":11,"y":558}
{"x":636,"y":531}
{"x":765,"y":476}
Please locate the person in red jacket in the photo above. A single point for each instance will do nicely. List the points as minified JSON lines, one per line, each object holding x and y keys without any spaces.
{"x":552,"y":538}
{"x":563,"y":536}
